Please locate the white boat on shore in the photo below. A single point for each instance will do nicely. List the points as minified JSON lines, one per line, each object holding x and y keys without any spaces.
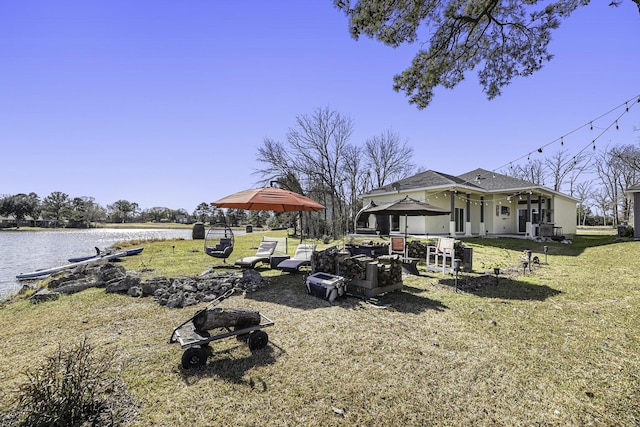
{"x":38,"y":274}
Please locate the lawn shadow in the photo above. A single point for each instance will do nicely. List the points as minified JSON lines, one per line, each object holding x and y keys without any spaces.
{"x":232,"y":364}
{"x":408,"y":300}
{"x":290,"y":290}
{"x":577,"y":247}
{"x":505,"y":288}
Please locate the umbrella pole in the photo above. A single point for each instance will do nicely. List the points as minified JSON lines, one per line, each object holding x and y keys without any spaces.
{"x":301,"y":227}
{"x":406,"y":226}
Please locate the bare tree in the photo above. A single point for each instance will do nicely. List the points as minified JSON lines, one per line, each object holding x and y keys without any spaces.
{"x":532,"y":171}
{"x":278,"y":162}
{"x":355,"y":179}
{"x":319,"y":157}
{"x":626,"y":158}
{"x":388,"y":158}
{"x":583,"y":191}
{"x":583,"y":166}
{"x":319,"y":141}
{"x":562,"y":165}
{"x":603,"y":201}
{"x":314,"y":158}
{"x":607,"y":168}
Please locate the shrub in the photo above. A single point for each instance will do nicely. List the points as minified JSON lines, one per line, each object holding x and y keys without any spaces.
{"x":72,"y":388}
{"x":625,"y":231}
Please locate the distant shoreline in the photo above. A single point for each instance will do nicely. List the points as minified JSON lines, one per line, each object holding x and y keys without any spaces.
{"x":109,"y":225}
{"x":161,"y":225}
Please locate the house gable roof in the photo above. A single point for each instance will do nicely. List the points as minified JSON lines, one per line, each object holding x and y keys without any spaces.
{"x":492,"y":181}
{"x":481,"y":180}
{"x":426,"y":179}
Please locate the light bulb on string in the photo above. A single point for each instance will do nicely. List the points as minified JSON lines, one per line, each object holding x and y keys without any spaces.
{"x":617,"y":127}
{"x":562,"y":141}
{"x":591,"y":125}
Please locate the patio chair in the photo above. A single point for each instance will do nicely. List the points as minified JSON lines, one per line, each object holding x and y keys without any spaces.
{"x":263,"y":254}
{"x":282,"y":246}
{"x":300,"y":258}
{"x":442,"y":252}
{"x":398,"y":246}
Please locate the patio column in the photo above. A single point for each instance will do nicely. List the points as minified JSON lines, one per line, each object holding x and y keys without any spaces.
{"x":540,"y":217}
{"x":452,"y":218}
{"x":483,"y":231}
{"x":467,"y":227}
{"x":528,"y":229}
{"x":636,"y":216}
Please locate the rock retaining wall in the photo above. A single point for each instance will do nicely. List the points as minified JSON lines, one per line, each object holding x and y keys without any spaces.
{"x":172,"y":292}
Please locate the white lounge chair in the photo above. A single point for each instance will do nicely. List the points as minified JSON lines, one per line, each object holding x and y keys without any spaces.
{"x":263,"y":254}
{"x":300,"y":258}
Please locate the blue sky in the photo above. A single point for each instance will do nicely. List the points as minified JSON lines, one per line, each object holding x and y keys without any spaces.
{"x":165,"y":103}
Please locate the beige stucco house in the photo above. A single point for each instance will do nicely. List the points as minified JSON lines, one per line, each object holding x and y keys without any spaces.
{"x":482,"y":203}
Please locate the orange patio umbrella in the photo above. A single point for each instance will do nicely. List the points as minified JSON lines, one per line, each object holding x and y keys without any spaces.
{"x":269,"y":199}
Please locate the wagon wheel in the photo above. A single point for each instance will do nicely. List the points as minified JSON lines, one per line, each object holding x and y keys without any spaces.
{"x":194,"y":357}
{"x":257,"y":340}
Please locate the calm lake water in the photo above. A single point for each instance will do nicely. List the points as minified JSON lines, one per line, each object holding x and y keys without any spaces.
{"x":24,"y":251}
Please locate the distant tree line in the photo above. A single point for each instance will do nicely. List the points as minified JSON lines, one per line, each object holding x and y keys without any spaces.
{"x":58,"y":209}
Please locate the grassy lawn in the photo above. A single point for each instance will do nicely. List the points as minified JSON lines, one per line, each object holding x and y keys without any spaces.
{"x":558,"y":345}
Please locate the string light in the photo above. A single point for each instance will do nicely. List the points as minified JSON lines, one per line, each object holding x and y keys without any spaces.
{"x":486,"y":202}
{"x":591,"y":127}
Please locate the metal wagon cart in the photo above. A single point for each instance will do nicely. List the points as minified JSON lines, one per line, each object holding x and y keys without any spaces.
{"x":196,"y":343}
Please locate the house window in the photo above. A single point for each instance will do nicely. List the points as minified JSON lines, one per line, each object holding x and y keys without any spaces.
{"x":395,"y":222}
{"x":459,"y":219}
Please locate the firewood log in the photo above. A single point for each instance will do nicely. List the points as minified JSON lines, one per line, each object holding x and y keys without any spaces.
{"x":225,"y":317}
